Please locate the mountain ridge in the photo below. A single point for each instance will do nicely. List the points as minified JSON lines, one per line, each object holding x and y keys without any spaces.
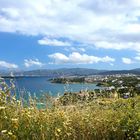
{"x":68,"y":72}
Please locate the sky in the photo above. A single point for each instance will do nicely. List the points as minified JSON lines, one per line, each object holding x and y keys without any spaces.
{"x":51,"y":34}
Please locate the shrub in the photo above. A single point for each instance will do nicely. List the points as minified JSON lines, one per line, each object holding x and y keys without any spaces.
{"x":108,"y":119}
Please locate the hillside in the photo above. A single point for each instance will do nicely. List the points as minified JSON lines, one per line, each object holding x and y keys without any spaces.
{"x":68,"y":72}
{"x":56,"y":72}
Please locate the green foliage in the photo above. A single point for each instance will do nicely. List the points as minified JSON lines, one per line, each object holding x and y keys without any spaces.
{"x":100,"y":119}
{"x":68,"y":80}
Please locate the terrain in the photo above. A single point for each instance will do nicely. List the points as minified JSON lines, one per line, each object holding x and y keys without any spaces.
{"x":67,"y":72}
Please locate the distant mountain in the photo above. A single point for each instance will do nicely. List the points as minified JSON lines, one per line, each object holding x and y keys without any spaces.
{"x":112,"y":72}
{"x":55,"y":72}
{"x":63,"y":72}
{"x":137,"y":69}
{"x":68,"y":72}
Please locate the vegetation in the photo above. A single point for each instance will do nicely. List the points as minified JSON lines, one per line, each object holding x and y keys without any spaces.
{"x":130,"y":81}
{"x":68,"y":80}
{"x":99,"y":119}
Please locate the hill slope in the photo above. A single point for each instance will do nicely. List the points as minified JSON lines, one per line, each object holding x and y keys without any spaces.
{"x":69,"y":72}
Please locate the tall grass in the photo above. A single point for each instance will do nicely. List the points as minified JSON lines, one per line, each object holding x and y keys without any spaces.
{"x":101,"y":119}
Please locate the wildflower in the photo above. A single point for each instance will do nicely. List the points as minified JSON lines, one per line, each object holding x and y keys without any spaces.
{"x":59,"y":130}
{"x":14,"y":99}
{"x":2,"y":107}
{"x":14,"y":120}
{"x":10,"y":133}
{"x":3,"y":131}
{"x":29,"y":115}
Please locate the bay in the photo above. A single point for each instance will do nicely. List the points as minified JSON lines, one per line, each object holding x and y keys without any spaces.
{"x":41,"y":85}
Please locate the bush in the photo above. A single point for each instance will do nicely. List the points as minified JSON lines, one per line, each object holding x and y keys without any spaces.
{"x":108,"y":119}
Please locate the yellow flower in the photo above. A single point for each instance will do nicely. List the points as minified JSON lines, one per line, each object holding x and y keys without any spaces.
{"x":10,"y":133}
{"x":14,"y":120}
{"x":2,"y":107}
{"x":59,"y":130}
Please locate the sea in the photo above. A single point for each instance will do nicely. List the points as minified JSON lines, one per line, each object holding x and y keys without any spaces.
{"x":38,"y":86}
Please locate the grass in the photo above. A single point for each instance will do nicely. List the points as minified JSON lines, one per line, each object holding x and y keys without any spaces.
{"x":100,"y":119}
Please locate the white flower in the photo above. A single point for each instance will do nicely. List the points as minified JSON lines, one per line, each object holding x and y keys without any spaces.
{"x":3,"y":131}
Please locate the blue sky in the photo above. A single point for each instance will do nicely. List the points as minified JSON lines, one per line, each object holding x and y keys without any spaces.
{"x":97,"y":34}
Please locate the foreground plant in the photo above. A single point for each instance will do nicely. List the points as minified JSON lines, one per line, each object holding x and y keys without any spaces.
{"x":101,"y":119}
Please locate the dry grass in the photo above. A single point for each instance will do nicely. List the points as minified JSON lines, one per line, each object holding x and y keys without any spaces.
{"x":102,"y":119}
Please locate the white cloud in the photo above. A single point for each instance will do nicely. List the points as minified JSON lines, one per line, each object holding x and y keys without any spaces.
{"x":53,"y":42}
{"x":88,"y":22}
{"x":78,"y":58}
{"x":127,"y":60}
{"x":75,"y":49}
{"x":30,"y":62}
{"x":10,"y":13}
{"x":137,"y":58}
{"x":119,"y":46}
{"x":59,"y":58}
{"x":4,"y":64}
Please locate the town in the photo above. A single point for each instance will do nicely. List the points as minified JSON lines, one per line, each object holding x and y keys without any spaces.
{"x":109,"y":86}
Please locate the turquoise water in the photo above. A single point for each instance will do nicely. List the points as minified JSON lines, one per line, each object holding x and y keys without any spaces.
{"x":42,"y":85}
